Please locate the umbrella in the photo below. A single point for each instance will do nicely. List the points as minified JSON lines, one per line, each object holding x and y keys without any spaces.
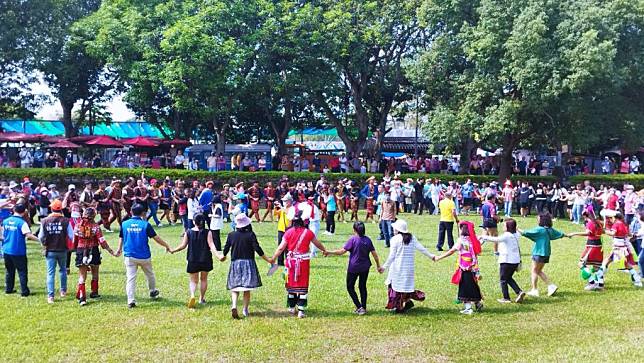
{"x":176,"y":142}
{"x":140,"y":141}
{"x":52,"y":139}
{"x":20,"y":137}
{"x":106,"y":141}
{"x":65,"y":144}
{"x":82,"y":138}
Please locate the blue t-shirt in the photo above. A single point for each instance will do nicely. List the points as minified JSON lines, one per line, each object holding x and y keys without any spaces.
{"x":467,"y":190}
{"x":331,"y":205}
{"x":488,"y":210}
{"x":205,"y":199}
{"x":14,"y":230}
{"x":135,"y":233}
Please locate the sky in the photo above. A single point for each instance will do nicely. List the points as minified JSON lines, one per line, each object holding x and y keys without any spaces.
{"x":53,"y":111}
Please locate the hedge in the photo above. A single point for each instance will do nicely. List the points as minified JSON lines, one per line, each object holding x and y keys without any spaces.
{"x":78,"y":175}
{"x":615,"y":180}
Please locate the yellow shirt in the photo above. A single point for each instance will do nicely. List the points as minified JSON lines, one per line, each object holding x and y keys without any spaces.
{"x":447,"y":208}
{"x":282,"y":221}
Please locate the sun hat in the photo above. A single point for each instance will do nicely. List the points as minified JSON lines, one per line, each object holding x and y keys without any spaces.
{"x":12,"y":184}
{"x":400,"y":226}
{"x":242,"y":220}
{"x":287,"y":197}
{"x":71,"y":187}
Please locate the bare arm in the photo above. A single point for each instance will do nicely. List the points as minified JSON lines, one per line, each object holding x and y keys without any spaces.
{"x":448,"y":253}
{"x":161,"y":242}
{"x":339,"y":252}
{"x":376,"y":258}
{"x":319,"y":245}
{"x":183,"y":245}
{"x":279,"y":250}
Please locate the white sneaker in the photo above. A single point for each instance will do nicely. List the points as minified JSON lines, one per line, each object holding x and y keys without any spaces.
{"x":590,"y":287}
{"x":533,"y":293}
{"x":467,"y":311}
{"x":300,"y":314}
{"x":245,"y":313}
{"x":638,"y":284}
{"x":291,"y":311}
{"x":552,"y":289}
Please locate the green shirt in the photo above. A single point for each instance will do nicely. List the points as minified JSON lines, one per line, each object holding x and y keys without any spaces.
{"x":541,"y":237}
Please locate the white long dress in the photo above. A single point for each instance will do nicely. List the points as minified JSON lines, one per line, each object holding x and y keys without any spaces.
{"x":400,"y":263}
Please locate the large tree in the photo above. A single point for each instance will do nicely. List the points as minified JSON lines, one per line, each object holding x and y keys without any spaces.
{"x":521,"y":72}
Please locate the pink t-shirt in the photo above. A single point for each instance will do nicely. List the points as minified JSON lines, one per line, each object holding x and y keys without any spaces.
{"x":507,"y":193}
{"x":629,"y":203}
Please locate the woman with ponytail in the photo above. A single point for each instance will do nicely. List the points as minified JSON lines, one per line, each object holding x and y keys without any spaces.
{"x":200,"y":249}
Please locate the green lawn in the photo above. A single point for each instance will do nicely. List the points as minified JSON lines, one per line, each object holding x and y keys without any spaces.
{"x":572,"y":326}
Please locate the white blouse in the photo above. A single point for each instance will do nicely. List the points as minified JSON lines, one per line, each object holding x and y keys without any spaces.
{"x":401,"y":263}
{"x":508,"y":247}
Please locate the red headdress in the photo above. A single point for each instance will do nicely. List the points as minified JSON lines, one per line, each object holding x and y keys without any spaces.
{"x":476,"y":244}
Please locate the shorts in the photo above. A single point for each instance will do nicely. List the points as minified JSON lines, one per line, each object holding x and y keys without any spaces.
{"x":524,"y":204}
{"x":541,"y":259}
{"x":467,"y":202}
{"x":93,"y":256}
{"x":489,"y":223}
{"x":195,"y":267}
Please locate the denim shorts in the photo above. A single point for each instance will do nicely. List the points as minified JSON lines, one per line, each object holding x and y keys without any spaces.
{"x":540,"y":259}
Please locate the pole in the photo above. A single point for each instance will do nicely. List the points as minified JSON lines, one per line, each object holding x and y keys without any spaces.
{"x":416,"y":137}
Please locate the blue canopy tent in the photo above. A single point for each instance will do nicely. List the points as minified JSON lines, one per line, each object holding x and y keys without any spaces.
{"x":125,"y":129}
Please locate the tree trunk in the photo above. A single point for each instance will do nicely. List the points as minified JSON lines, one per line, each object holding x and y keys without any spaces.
{"x":221,"y":141}
{"x":281,"y":127}
{"x":505,"y":164}
{"x":70,"y":130}
{"x":466,"y":155}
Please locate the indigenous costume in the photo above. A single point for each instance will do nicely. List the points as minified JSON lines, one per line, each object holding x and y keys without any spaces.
{"x":115,"y":197}
{"x":269,"y":194}
{"x":370,"y":193}
{"x":128,"y":198}
{"x":621,"y":253}
{"x":354,"y":198}
{"x":297,"y":264}
{"x":467,"y":273}
{"x":87,"y":238}
{"x":592,"y":255}
{"x":254,"y":194}
{"x":339,"y":197}
{"x":103,"y":207}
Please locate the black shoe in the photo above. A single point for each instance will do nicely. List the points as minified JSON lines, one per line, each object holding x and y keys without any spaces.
{"x":82,"y":302}
{"x":439,"y":249}
{"x":10,"y":292}
{"x":408,"y":305}
{"x":94,"y":295}
{"x":154,"y":294}
{"x":25,"y":293}
{"x":131,"y":305}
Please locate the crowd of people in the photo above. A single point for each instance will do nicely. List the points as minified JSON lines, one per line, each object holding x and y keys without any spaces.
{"x":71,"y":223}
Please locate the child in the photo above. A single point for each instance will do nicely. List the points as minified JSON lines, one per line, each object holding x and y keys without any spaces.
{"x":217,"y":221}
{"x":593,"y":254}
{"x":200,"y":249}
{"x":621,"y":247}
{"x":359,"y":247}
{"x":243,"y":275}
{"x":509,"y":260}
{"x":467,"y":274}
{"x":87,"y":238}
{"x":541,"y":236}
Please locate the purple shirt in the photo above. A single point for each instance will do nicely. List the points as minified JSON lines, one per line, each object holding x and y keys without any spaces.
{"x":359,"y":249}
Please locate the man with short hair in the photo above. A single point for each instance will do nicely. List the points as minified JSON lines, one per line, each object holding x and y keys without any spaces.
{"x":55,"y":231}
{"x":16,"y":232}
{"x":448,"y":215}
{"x":134,"y":244}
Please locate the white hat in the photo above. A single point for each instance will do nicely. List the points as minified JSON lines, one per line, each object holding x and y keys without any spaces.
{"x":12,"y":184}
{"x":287,"y":197}
{"x":400,"y":226}
{"x":608,"y":213}
{"x":242,"y":220}
{"x":71,"y":186}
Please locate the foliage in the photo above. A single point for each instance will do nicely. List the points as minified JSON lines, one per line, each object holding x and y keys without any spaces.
{"x":615,"y":180}
{"x":78,"y":175}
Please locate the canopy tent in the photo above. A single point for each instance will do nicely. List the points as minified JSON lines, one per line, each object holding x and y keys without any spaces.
{"x":125,"y":129}
{"x":20,"y":137}
{"x":106,"y":141}
{"x":64,"y":144}
{"x":140,"y":142}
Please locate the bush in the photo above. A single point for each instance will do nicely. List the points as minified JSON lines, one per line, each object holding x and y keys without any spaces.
{"x":78,"y":175}
{"x":616,"y":180}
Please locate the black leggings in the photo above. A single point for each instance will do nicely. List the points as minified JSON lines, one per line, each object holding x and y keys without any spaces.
{"x":506,"y":270}
{"x":362,"y":286}
{"x":330,"y":221}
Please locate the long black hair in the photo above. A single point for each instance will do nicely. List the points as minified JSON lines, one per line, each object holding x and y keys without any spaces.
{"x":199,"y":221}
{"x":406,"y":238}
{"x":359,"y":228}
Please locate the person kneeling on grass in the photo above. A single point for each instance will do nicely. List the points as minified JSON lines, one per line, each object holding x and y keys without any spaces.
{"x":541,"y":236}
{"x":509,"y":260}
{"x":467,"y":274}
{"x":87,"y":238}
{"x":134,"y":244}
{"x":243,"y":275}
{"x":201,"y":246}
{"x":359,"y":247}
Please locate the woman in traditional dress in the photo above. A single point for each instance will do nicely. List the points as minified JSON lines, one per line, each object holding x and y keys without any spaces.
{"x":593,"y":255}
{"x":401,"y":265}
{"x":297,"y":241}
{"x":467,"y":273}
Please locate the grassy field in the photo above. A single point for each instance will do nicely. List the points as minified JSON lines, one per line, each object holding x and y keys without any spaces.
{"x":574,"y":325}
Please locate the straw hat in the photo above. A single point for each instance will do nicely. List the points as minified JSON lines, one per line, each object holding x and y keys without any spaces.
{"x":400,"y":226}
{"x":242,"y":220}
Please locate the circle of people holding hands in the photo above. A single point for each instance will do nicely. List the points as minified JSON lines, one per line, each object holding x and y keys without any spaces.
{"x":68,"y":228}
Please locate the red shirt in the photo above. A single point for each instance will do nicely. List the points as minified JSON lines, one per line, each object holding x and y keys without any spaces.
{"x":620,"y":229}
{"x":595,"y":230}
{"x":611,"y":203}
